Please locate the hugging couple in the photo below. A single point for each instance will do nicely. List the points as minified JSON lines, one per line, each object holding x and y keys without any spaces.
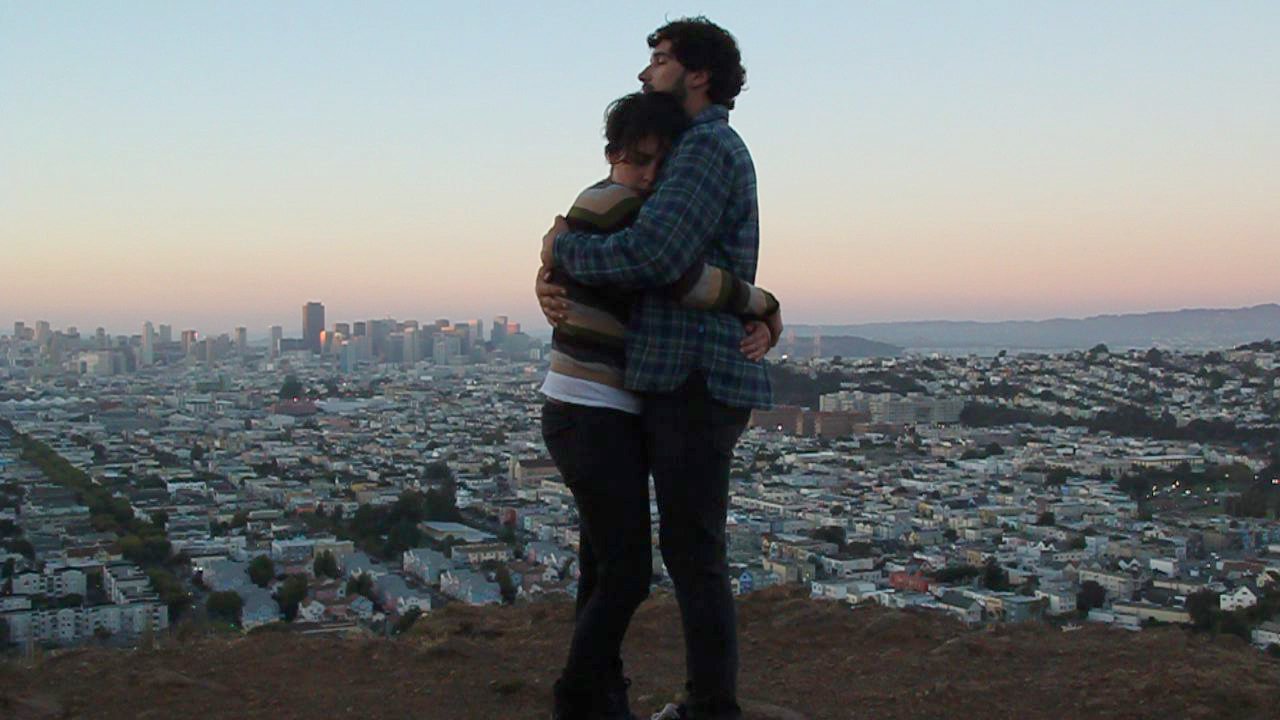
{"x":655,"y":366}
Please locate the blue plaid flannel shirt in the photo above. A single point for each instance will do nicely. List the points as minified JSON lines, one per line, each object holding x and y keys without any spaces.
{"x":703,"y":210}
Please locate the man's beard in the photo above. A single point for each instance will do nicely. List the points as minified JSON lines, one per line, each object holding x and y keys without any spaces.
{"x":678,"y":89}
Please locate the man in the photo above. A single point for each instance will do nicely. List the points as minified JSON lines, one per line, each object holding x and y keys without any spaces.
{"x":698,"y":387}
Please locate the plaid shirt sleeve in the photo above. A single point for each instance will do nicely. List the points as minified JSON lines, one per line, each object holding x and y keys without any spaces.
{"x":671,"y":232}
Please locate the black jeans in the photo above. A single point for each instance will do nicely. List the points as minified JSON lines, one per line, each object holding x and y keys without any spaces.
{"x":601,"y":456}
{"x":691,"y":436}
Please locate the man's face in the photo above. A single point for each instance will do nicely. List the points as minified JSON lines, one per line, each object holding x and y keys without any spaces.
{"x":637,"y":167}
{"x":664,"y":73}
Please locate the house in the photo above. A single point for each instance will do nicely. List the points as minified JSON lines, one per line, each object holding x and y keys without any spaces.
{"x":395,"y":595}
{"x":470,"y":587}
{"x":965,"y":608}
{"x":425,"y":564}
{"x":1267,"y":634}
{"x":478,"y":553}
{"x":357,"y":563}
{"x":312,"y":611}
{"x":362,"y":607}
{"x":1238,"y":599}
{"x":260,"y":608}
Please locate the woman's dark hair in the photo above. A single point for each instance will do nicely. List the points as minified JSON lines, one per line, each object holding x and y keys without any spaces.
{"x":700,"y":44}
{"x":635,"y":117}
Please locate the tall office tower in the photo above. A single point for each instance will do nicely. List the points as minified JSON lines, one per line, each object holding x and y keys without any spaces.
{"x":343,"y":329}
{"x":277,"y":339}
{"x":442,"y":323}
{"x":166,"y":334}
{"x":359,"y":329}
{"x":445,"y":349}
{"x":148,"y":356}
{"x":43,"y":332}
{"x":380,"y":330}
{"x":189,"y":340}
{"x":463,"y":331}
{"x":312,"y":324}
{"x":208,"y":352}
{"x":19,"y":330}
{"x":477,"y":330}
{"x":100,"y":338}
{"x":499,"y":333}
{"x":411,"y":355}
{"x":242,"y":341}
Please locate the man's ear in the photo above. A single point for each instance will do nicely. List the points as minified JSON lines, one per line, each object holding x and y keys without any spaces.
{"x":697,"y":80}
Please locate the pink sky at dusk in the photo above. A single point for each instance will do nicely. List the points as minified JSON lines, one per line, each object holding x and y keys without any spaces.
{"x":219,"y":166}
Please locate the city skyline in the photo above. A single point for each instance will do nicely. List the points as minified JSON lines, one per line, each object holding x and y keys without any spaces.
{"x":216,"y":164}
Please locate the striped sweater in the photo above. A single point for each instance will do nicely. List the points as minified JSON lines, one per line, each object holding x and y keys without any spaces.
{"x":590,"y":343}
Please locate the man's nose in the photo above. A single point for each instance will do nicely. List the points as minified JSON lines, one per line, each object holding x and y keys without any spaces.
{"x":643,"y":76}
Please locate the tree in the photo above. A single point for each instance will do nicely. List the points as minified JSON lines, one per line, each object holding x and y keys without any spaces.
{"x":1091,"y":595}
{"x":406,"y":621}
{"x":292,"y":592}
{"x":170,"y":590}
{"x":292,"y":388}
{"x":362,"y":585}
{"x":160,"y":519}
{"x":995,"y":577}
{"x":1202,"y":606}
{"x":261,"y":570}
{"x":830,"y":533}
{"x":226,"y":605}
{"x":956,"y":573}
{"x":1046,"y":518}
{"x":326,"y":565}
{"x":4,"y":632}
{"x":506,"y":586}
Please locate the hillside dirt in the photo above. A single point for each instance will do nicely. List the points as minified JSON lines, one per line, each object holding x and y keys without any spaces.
{"x":800,"y":659}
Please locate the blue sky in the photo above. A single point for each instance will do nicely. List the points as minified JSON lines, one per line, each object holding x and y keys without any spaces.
{"x":218,"y":164}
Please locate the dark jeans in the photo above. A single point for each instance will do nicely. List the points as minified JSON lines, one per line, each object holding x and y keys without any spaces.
{"x":691,"y":438}
{"x":601,"y":456}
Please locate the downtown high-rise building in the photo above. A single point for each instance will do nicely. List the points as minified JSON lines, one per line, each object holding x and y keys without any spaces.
{"x":242,"y":341}
{"x":499,"y":332}
{"x":189,"y":341}
{"x":312,"y":326}
{"x":277,"y":339}
{"x":148,"y":354}
{"x":166,"y":334}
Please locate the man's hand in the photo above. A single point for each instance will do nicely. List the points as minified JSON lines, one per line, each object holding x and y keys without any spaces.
{"x":551,"y":297}
{"x":558,"y":228}
{"x":756,"y":343}
{"x":774,"y":321}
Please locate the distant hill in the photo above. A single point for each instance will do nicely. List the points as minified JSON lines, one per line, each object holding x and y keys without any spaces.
{"x":802,"y":659}
{"x":1197,"y":329}
{"x":799,"y":346}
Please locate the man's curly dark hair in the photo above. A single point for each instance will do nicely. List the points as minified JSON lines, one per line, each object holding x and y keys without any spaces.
{"x":700,"y":44}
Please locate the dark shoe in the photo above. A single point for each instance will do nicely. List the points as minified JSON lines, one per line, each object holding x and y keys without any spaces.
{"x":612,"y":704}
{"x":570,"y":703}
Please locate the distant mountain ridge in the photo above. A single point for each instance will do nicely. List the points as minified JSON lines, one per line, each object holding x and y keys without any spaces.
{"x":1181,"y":329}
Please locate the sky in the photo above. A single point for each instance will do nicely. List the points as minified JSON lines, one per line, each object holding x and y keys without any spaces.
{"x":211,"y":165}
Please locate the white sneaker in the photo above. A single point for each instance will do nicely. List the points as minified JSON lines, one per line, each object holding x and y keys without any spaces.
{"x":671,"y":712}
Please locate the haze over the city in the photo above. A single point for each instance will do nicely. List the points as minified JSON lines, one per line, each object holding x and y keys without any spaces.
{"x":216,"y":165}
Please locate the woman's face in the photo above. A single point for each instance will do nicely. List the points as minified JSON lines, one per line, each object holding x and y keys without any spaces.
{"x":637,"y":168}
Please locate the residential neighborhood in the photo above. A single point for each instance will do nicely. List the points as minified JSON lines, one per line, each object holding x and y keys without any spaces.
{"x":1130,"y":488}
